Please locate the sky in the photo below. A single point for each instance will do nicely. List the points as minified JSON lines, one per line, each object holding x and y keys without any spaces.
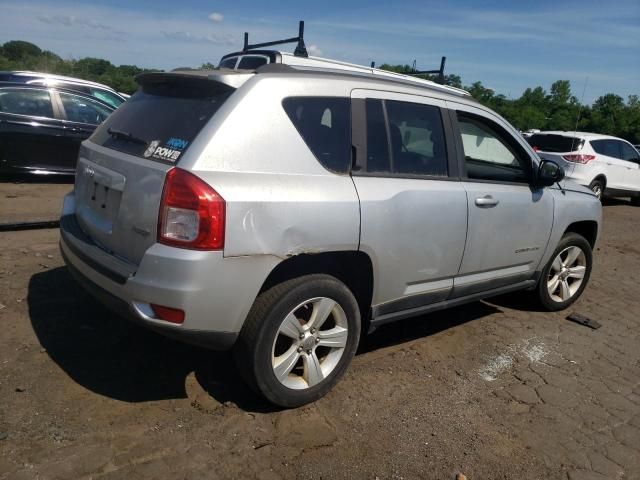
{"x":507,"y":45}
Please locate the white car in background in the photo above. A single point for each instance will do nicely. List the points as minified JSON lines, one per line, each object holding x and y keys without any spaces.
{"x":609,"y":166}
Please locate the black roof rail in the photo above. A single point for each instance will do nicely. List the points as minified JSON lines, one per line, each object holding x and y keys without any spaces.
{"x":301,"y":48}
{"x":440,"y":71}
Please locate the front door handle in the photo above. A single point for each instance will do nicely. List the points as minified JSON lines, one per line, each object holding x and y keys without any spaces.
{"x":487,"y":201}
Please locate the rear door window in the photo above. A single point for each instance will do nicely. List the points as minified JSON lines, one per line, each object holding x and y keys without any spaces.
{"x":555,"y":143}
{"x":417,"y":139}
{"x":378,"y":151}
{"x":83,"y":110}
{"x":32,"y":102}
{"x":610,"y":148}
{"x":162,"y":119}
{"x":107,"y":97}
{"x":325,"y":125}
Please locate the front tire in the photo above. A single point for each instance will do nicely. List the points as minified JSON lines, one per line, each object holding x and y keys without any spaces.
{"x":298,"y":339}
{"x":567,"y":273}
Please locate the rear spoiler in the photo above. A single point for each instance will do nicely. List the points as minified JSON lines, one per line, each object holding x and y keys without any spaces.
{"x":220,"y":80}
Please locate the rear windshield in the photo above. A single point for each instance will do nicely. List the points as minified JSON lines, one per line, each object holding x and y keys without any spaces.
{"x":555,"y":143}
{"x":161,"y":120}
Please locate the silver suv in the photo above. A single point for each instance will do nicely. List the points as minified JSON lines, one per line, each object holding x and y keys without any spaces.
{"x":282,"y":211}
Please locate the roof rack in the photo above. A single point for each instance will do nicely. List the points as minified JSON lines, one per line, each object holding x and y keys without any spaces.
{"x":440,"y":71}
{"x":301,"y":48}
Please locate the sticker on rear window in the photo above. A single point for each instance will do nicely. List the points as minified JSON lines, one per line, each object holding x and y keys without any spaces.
{"x":170,"y":152}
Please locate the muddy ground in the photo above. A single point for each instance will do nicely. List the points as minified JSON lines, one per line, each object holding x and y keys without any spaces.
{"x":493,"y":389}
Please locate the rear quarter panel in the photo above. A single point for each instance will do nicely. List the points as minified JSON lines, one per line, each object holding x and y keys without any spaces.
{"x":280,"y":200}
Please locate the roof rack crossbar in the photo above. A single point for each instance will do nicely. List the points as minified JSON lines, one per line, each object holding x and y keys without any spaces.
{"x":301,"y":48}
{"x":439,"y":72}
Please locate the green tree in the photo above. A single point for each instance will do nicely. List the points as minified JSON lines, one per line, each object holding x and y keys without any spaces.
{"x":18,"y":50}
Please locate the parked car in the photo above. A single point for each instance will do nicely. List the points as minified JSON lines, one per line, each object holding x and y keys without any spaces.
{"x":637,"y":147}
{"x":609,"y":166}
{"x":41,"y":128}
{"x":102,"y":92}
{"x":282,"y":211}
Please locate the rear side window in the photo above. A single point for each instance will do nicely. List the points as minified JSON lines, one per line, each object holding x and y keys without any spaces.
{"x":555,"y":143}
{"x":161,"y":120}
{"x":325,"y":125}
{"x":35,"y":103}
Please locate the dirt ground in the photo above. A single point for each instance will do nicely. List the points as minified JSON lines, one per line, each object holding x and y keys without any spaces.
{"x":23,"y":200}
{"x":493,"y":389}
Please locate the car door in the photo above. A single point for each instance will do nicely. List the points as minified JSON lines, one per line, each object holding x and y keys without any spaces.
{"x":610,"y":156}
{"x":413,"y":207}
{"x":631,"y":159}
{"x":510,"y":220}
{"x":30,"y":133}
{"x":81,"y":116}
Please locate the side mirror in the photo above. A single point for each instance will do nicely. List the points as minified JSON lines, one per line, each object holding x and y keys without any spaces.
{"x":549,"y":173}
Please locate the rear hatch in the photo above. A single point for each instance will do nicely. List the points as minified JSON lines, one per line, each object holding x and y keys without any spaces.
{"x":122,"y":167}
{"x":554,"y":147}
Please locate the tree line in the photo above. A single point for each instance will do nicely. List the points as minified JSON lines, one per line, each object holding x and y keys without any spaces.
{"x":536,"y":108}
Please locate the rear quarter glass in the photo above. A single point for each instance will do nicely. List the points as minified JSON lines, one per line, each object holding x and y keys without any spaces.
{"x":161,"y":120}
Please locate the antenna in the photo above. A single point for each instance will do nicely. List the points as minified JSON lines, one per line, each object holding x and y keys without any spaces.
{"x":301,"y":48}
{"x":575,"y":130}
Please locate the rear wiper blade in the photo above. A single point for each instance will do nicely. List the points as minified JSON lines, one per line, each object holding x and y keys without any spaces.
{"x":119,"y":134}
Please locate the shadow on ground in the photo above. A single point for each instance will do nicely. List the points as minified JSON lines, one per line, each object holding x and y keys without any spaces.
{"x":115,"y":358}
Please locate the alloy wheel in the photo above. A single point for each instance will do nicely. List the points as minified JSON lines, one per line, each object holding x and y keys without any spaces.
{"x":309,"y":343}
{"x":566,"y":274}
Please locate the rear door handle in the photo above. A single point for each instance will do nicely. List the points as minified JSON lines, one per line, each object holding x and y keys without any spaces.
{"x":487,"y":201}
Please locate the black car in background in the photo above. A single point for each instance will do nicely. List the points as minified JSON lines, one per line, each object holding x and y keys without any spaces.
{"x":41,"y":128}
{"x":102,"y":92}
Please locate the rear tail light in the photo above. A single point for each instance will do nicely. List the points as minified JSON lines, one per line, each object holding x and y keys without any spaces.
{"x":579,"y":158}
{"x":168,"y":314}
{"x":191,"y":213}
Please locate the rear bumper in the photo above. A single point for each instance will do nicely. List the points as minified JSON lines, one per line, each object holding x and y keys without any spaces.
{"x":216,"y":293}
{"x":201,"y":338}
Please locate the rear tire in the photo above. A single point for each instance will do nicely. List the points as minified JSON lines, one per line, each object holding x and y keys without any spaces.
{"x":298,"y":339}
{"x":566,"y":274}
{"x":597,"y":187}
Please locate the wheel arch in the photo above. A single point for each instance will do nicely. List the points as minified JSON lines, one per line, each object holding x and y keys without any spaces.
{"x":353,"y":268}
{"x":586,"y":228}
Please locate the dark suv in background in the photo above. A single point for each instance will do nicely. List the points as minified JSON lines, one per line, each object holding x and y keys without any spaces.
{"x":41,"y":128}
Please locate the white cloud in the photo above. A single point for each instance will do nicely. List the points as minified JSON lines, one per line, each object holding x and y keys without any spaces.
{"x":216,"y":17}
{"x":72,"y":20}
{"x":218,"y":39}
{"x":314,"y":50}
